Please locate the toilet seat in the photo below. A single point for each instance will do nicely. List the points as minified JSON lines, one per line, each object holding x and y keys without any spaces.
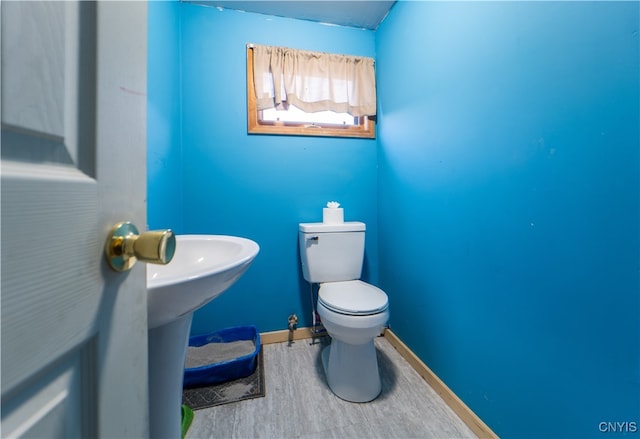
{"x":353,"y":297}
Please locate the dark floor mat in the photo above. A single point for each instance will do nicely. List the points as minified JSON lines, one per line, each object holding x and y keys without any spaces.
{"x":249,"y":387}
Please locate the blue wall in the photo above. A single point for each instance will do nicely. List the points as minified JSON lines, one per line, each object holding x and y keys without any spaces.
{"x":502,"y":195}
{"x":256,"y":186}
{"x":509,"y":199}
{"x":164,"y":161}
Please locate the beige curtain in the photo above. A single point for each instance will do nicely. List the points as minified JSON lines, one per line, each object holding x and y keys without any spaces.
{"x":313,"y":81}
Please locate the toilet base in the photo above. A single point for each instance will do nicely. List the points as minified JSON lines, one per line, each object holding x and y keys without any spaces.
{"x":352,"y":370}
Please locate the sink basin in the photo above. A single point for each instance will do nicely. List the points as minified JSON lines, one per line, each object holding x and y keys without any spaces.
{"x":203,"y":267}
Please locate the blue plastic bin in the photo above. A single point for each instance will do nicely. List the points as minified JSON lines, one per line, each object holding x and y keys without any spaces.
{"x":226,"y":370}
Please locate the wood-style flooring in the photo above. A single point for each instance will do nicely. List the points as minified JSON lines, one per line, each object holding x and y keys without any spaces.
{"x":298,"y":403}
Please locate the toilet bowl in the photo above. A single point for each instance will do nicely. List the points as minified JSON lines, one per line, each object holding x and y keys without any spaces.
{"x":350,"y":362}
{"x":352,"y":311}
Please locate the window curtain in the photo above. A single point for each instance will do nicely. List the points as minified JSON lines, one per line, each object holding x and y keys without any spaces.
{"x":313,"y":81}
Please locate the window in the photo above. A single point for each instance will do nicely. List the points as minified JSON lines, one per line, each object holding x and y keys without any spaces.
{"x":294,"y":115}
{"x":277,"y":111}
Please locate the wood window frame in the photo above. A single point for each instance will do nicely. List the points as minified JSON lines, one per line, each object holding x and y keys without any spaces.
{"x":364,"y":129}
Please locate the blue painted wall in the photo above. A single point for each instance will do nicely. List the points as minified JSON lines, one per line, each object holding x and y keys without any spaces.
{"x":261,"y":187}
{"x":502,"y":196}
{"x":509,"y":200}
{"x":164,"y":153}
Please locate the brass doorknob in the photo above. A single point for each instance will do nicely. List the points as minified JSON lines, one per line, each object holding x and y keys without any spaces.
{"x":125,"y":245}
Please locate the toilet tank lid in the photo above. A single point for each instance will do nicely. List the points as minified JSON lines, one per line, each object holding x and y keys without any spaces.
{"x":350,"y":226}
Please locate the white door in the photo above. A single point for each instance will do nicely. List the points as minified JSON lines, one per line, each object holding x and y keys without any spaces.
{"x":74,"y":333}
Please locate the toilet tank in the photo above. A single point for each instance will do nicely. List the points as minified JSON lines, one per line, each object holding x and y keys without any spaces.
{"x":331,"y":252}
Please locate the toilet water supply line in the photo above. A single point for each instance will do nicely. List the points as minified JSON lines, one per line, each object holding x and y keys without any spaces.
{"x":317,"y":327}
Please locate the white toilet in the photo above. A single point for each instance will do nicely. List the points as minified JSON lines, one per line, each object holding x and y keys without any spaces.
{"x":353,"y":312}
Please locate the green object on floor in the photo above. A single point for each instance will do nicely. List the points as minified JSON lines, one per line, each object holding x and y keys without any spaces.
{"x":187,"y":417}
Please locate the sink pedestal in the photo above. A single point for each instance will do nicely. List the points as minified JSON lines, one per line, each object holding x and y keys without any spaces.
{"x":167,"y":353}
{"x":204,"y":266}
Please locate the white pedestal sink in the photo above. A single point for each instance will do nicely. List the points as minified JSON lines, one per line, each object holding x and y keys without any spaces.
{"x":202,"y":268}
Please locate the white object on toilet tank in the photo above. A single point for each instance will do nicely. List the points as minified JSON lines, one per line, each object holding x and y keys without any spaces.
{"x":333,"y":213}
{"x":331,"y":252}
